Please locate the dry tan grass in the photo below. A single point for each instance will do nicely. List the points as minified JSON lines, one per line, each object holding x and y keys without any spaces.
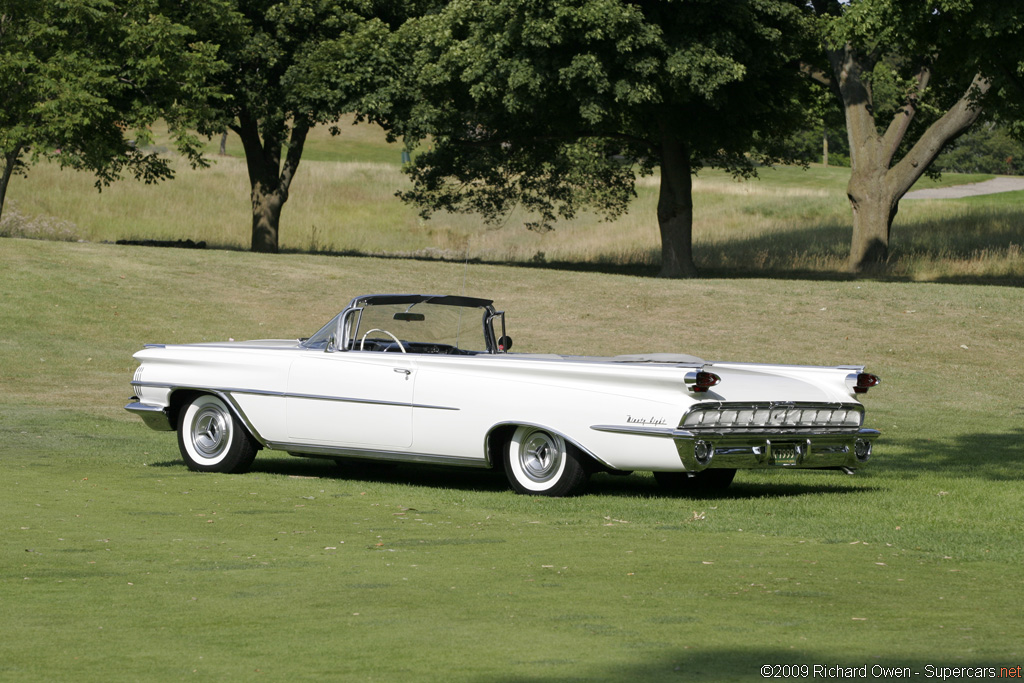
{"x":788,"y":221}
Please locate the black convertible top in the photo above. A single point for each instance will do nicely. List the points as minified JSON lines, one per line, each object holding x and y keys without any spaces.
{"x":439,"y":299}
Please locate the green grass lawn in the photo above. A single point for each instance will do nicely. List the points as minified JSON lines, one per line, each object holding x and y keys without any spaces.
{"x":119,"y":564}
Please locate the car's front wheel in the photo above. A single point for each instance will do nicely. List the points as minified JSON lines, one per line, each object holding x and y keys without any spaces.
{"x":211,"y":439}
{"x":541,"y":463}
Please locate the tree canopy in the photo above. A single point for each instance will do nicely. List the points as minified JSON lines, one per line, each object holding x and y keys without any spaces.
{"x":910,"y":78}
{"x":555,"y":106}
{"x":293,"y":64}
{"x":82,"y":80}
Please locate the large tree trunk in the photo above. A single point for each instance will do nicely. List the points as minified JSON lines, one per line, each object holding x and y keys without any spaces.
{"x":874,"y":208}
{"x":675,"y":210}
{"x":9,"y":162}
{"x":267,"y":202}
{"x":269,"y":179}
{"x":876,"y":184}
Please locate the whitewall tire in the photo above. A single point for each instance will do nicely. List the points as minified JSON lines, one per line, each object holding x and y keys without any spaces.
{"x":211,"y":439}
{"x":541,"y":463}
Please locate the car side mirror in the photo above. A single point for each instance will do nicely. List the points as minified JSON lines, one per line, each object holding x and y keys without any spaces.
{"x":505,"y":343}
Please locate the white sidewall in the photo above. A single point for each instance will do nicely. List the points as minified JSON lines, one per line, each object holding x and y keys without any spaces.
{"x":524,"y":480}
{"x":207,"y":402}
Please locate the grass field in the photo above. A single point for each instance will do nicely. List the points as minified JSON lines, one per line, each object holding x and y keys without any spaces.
{"x":117,"y":564}
{"x":791,"y":222}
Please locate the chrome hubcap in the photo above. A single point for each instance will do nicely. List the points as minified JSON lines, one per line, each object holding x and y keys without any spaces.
{"x":540,"y":456}
{"x":211,"y":432}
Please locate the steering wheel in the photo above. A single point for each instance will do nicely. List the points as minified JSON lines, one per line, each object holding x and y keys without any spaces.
{"x":362,"y":342}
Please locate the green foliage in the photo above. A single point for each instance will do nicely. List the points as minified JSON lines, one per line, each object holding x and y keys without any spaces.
{"x":557,"y":106}
{"x":808,"y":146}
{"x":910,"y":78}
{"x":293,"y":64}
{"x":985,"y":148}
{"x":297,"y":60}
{"x":84,"y":79}
{"x":923,"y":57}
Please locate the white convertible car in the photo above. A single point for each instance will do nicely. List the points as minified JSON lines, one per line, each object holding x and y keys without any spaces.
{"x":430,"y":379}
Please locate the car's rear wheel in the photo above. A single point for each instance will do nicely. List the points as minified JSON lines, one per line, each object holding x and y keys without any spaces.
{"x":706,"y":480}
{"x":541,"y":463}
{"x":211,"y":439}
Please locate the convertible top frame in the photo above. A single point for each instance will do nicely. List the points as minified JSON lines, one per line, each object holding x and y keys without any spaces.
{"x":346,"y":326}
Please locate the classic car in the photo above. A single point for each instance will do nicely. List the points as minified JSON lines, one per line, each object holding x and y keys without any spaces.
{"x":431,"y":379}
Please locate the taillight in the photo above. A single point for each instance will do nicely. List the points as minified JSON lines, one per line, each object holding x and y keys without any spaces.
{"x":865,"y":381}
{"x":700,"y":382}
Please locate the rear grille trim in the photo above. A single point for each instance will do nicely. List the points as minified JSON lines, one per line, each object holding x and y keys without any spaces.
{"x":777,"y":417}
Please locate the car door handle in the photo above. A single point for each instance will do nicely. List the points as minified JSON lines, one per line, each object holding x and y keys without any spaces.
{"x":404,"y":371}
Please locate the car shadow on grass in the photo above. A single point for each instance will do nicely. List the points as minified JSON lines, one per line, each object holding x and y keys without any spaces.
{"x":996,"y":457}
{"x":805,"y":483}
{"x":638,"y":485}
{"x":703,"y":662}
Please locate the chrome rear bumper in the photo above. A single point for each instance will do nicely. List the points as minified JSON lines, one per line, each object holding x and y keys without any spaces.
{"x":761,"y":448}
{"x":699,"y":451}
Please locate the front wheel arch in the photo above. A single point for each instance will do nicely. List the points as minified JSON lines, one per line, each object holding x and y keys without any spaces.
{"x":211,"y":437}
{"x":179,"y":399}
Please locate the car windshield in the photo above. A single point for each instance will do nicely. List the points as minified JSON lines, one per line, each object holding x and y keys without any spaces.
{"x":459,"y":327}
{"x":423,"y":323}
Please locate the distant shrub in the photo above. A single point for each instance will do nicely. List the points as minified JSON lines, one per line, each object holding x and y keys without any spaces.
{"x":984,"y":148}
{"x":809,"y":146}
{"x":15,"y":224}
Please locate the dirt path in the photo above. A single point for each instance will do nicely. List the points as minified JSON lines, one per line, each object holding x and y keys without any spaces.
{"x":1001,"y":184}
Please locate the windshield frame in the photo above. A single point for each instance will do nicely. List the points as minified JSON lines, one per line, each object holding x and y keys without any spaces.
{"x":348,"y":324}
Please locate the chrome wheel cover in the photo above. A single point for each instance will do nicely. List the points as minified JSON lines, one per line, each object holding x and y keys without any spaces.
{"x":210,"y":431}
{"x":540,"y":456}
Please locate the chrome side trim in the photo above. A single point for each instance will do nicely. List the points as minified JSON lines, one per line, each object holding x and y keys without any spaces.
{"x":200,"y":387}
{"x":155,"y":417}
{"x":800,"y":432}
{"x":345,"y":399}
{"x":667,"y":432}
{"x":282,"y":394}
{"x":306,"y":450}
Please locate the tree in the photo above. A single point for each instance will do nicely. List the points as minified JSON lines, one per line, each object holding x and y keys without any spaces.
{"x":82,"y":80}
{"x":986,"y":148}
{"x":910,"y":79}
{"x":825,"y":140}
{"x":554,"y":106}
{"x":293,"y":64}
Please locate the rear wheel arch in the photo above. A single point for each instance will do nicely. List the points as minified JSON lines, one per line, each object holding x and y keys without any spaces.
{"x":567,"y":475}
{"x":496,"y":444}
{"x":500,"y":435}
